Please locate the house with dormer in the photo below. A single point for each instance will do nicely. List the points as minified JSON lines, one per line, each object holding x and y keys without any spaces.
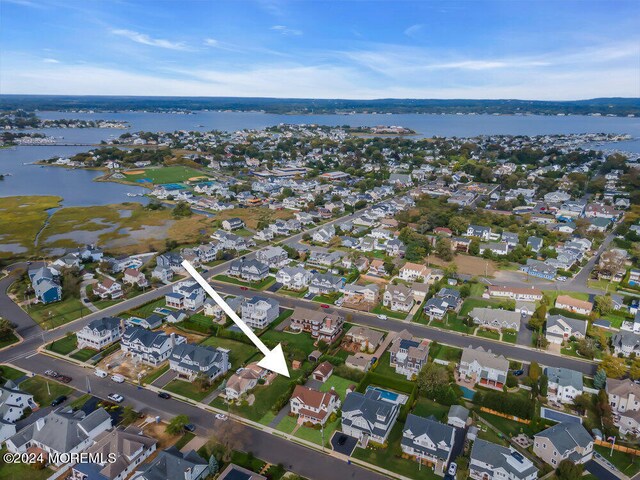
{"x":560,"y":329}
{"x":294,"y":278}
{"x":258,"y":312}
{"x":148,"y":346}
{"x":325,"y":283}
{"x":321,"y":324}
{"x":412,"y":272}
{"x":188,"y":295}
{"x":46,"y":284}
{"x":408,"y":354}
{"x":490,"y":461}
{"x":108,"y":288}
{"x":367,"y":417}
{"x":398,"y":298}
{"x":428,"y":441}
{"x":480,"y":366}
{"x":249,"y":270}
{"x":100,"y":333}
{"x":313,"y":406}
{"x":484,"y":233}
{"x":133,"y":276}
{"x":190,"y":361}
{"x":274,"y":257}
{"x":13,"y":403}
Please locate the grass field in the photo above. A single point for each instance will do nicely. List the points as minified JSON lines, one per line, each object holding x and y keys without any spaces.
{"x":21,"y":218}
{"x":251,"y":216}
{"x":184,"y":439}
{"x":509,"y":337}
{"x":338,"y":383}
{"x":425,"y":407}
{"x":13,"y":471}
{"x":9,"y":373}
{"x":145,"y":310}
{"x":186,"y":389}
{"x":236,"y":281}
{"x":493,"y":335}
{"x":173,"y":174}
{"x":63,"y":346}
{"x":471,"y":303}
{"x":43,"y":395}
{"x":84,"y":354}
{"x":627,"y":464}
{"x":153,"y":376}
{"x":53,"y":315}
{"x":10,"y":340}
{"x":315,"y":436}
{"x":553,"y":294}
{"x":302,"y":341}
{"x":384,"y":368}
{"x":380,"y":310}
{"x":287,"y":424}
{"x":445,"y":352}
{"x":239,"y":352}
{"x":451,"y":322}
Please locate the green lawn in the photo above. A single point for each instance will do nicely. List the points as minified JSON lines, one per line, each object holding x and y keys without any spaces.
{"x":451,"y":322}
{"x":236,"y":281}
{"x":301,"y":341}
{"x":187,"y":389}
{"x":239,"y":352}
{"x":425,"y":407}
{"x":37,"y":386}
{"x":338,"y":383}
{"x":292,"y":293}
{"x":509,"y":337}
{"x":84,"y":354}
{"x":330,"y":298}
{"x":315,"y":436}
{"x":13,"y":471}
{"x":153,"y":376}
{"x":511,"y":428}
{"x":64,"y":346}
{"x":53,"y":315}
{"x":10,"y":340}
{"x":145,"y":310}
{"x":380,"y":310}
{"x":186,"y":438}
{"x":445,"y":352}
{"x":493,"y":335}
{"x":80,"y":401}
{"x":491,"y":436}
{"x":553,"y":294}
{"x":390,"y":458}
{"x":471,"y":303}
{"x":616,"y":318}
{"x":173,"y":174}
{"x":627,"y":464}
{"x":287,"y":424}
{"x":9,"y":373}
{"x":384,"y":368}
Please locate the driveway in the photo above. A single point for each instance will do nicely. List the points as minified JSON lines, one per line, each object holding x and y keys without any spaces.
{"x":275,"y":287}
{"x":525,"y":336}
{"x":347,"y":447}
{"x":599,"y":471}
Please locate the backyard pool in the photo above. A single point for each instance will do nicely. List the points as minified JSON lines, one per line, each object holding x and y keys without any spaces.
{"x":162,"y":311}
{"x":389,"y":396}
{"x":467,"y":393}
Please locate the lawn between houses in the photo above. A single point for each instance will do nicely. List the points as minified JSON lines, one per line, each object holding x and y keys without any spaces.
{"x":13,"y":471}
{"x":43,"y":395}
{"x":261,"y":285}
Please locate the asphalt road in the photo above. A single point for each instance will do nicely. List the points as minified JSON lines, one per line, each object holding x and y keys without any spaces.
{"x":271,"y":448}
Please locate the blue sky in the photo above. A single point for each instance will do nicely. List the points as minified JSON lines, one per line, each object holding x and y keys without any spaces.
{"x":322,"y":49}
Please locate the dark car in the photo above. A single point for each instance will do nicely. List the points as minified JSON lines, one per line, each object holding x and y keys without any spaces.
{"x":517,"y":373}
{"x":324,"y":305}
{"x":58,"y":400}
{"x":342,"y":439}
{"x":190,"y":427}
{"x":164,"y":395}
{"x":244,"y":288}
{"x":63,"y":378}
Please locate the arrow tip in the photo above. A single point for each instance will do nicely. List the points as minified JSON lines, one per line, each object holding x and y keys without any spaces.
{"x":275,"y":361}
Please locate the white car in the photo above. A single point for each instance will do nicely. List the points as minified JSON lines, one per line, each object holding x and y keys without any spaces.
{"x":382,"y":317}
{"x":118,"y":378}
{"x":222,"y":417}
{"x":562,"y":279}
{"x":114,"y":397}
{"x":453,"y":468}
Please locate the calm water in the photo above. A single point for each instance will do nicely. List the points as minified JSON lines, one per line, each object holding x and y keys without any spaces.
{"x":77,"y":187}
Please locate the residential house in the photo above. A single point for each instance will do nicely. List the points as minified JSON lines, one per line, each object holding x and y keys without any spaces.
{"x":497,"y":248}
{"x":490,"y":461}
{"x":62,"y":431}
{"x":480,"y":366}
{"x":312,"y":405}
{"x":322,"y":325}
{"x":361,"y":294}
{"x":368,"y":417}
{"x":128,"y":447}
{"x":565,"y":440}
{"x":408,"y":354}
{"x":235,"y":472}
{"x":377,"y":268}
{"x":564,"y":384}
{"x":324,"y":234}
{"x":495,"y":318}
{"x":294,"y":278}
{"x":258,"y":312}
{"x":186,"y":295}
{"x":428,"y":441}
{"x":232,"y":224}
{"x":395,"y":248}
{"x":458,"y":416}
{"x":565,"y":302}
{"x":443,"y":301}
{"x":479,"y":231}
{"x":108,"y":288}
{"x":625,"y":343}
{"x":561,"y":329}
{"x":250,"y":270}
{"x":398,"y":298}
{"x":13,"y":403}
{"x":510,"y":238}
{"x":274,"y":257}
{"x":325,"y":283}
{"x":624,"y":398}
{"x":367,"y":338}
{"x":170,"y":260}
{"x":243,"y":380}
{"x":539,"y":269}
{"x":147,"y":346}
{"x":174,"y":464}
{"x":528,"y":294}
{"x":100,"y":333}
{"x":45,"y":284}
{"x":323,"y":372}
{"x":134,"y":276}
{"x":412,"y":272}
{"x":191,"y":361}
{"x":535,"y":243}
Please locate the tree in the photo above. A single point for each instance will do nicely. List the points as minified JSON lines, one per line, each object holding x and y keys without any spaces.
{"x":586,"y":347}
{"x":634,"y":370}
{"x":582,"y":403}
{"x":6,"y":329}
{"x":544,"y":383}
{"x":176,"y":425}
{"x":432,"y":379}
{"x":603,"y":304}
{"x":534,"y":372}
{"x":600,"y":379}
{"x":228,"y":437}
{"x":568,"y":470}
{"x":129,"y":415}
{"x":443,"y":249}
{"x":614,"y":367}
{"x":182,"y":209}
{"x":538,"y":319}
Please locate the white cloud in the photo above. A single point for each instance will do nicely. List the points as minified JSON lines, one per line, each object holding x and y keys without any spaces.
{"x":413,"y":30}
{"x":211,"y":42}
{"x":147,"y":40}
{"x":50,"y":60}
{"x":284,"y":30}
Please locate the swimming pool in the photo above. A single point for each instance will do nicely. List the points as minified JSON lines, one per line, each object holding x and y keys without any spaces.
{"x":389,"y":396}
{"x":467,"y":393}
{"x":162,"y":311}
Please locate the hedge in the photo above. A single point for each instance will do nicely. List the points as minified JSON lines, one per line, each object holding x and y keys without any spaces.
{"x":505,"y":403}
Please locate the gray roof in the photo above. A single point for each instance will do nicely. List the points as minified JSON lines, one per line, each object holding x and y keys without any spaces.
{"x":195,"y":357}
{"x":368,"y":406}
{"x":567,"y":436}
{"x":440,"y":434}
{"x":104,"y":324}
{"x":458,"y":411}
{"x":575,"y":324}
{"x":171,"y":464}
{"x":497,"y":456}
{"x":564,"y":377}
{"x":61,"y":430}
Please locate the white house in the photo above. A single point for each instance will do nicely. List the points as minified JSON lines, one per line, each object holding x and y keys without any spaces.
{"x":100,"y":333}
{"x":312,"y":405}
{"x":147,"y":346}
{"x":564,"y":384}
{"x":480,"y":366}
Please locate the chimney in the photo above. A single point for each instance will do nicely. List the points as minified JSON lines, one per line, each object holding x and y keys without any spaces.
{"x":40,"y":424}
{"x":187,"y":474}
{"x":172,"y":339}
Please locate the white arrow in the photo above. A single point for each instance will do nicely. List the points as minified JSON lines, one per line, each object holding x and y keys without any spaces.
{"x":273,"y":359}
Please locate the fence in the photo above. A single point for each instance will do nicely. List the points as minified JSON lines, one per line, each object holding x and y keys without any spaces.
{"x":504,"y":415}
{"x":620,"y":448}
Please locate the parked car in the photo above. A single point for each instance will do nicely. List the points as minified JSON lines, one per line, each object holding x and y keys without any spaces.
{"x":517,"y":373}
{"x":382,"y":317}
{"x":63,"y":378}
{"x":244,"y":288}
{"x":324,"y":305}
{"x":117,"y":378}
{"x":51,"y":373}
{"x":58,"y":400}
{"x":114,"y":397}
{"x":562,"y":279}
{"x":100,"y":373}
{"x":164,"y":395}
{"x":190,"y":427}
{"x":222,"y":417}
{"x":453,"y":468}
{"x":342,"y":439}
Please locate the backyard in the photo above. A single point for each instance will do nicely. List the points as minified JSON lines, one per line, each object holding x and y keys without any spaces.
{"x":239,"y":352}
{"x":44,"y":390}
{"x":63,"y":346}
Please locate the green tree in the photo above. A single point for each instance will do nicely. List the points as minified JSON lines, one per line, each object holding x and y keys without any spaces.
{"x":177,"y":424}
{"x":634,"y":370}
{"x":443,"y":249}
{"x":534,"y":372}
{"x":600,"y":379}
{"x":544,"y":383}
{"x":182,"y":209}
{"x":614,"y":367}
{"x":432,"y":380}
{"x":6,"y":329}
{"x":603,"y":304}
{"x":568,"y":470}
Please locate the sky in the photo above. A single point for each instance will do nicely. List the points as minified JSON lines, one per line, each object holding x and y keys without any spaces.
{"x":555,"y":50}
